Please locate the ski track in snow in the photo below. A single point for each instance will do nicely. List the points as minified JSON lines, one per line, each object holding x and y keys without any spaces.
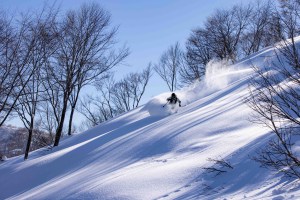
{"x":149,"y":154}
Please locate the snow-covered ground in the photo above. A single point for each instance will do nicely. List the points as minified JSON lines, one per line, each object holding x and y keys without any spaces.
{"x":151,"y":153}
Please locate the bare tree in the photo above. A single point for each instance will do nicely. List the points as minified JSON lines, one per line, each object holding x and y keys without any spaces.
{"x":226,"y":28}
{"x":275,"y":101}
{"x":290,"y":16}
{"x":49,"y":112}
{"x":275,"y":98}
{"x":14,"y":57}
{"x":127,"y":93}
{"x":95,"y":112}
{"x":290,"y":20}
{"x":223,"y":35}
{"x":27,"y":106}
{"x":169,"y":65}
{"x":198,"y":54}
{"x":39,"y":40}
{"x":96,"y":54}
{"x":99,"y":108}
{"x":85,"y":50}
{"x":115,"y":97}
{"x":256,"y":35}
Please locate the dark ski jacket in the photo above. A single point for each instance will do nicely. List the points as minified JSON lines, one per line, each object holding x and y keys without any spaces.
{"x":174,"y":99}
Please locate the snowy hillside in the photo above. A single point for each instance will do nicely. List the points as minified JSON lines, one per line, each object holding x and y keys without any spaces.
{"x":149,"y":154}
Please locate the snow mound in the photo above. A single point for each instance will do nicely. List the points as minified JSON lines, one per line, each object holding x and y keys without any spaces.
{"x":217,"y":77}
{"x":158,"y":107}
{"x":3,"y":158}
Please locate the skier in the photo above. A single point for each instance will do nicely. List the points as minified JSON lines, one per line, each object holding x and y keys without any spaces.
{"x":173,"y":100}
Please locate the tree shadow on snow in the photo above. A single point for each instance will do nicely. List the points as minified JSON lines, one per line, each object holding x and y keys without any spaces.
{"x":68,"y":159}
{"x":246,"y":176}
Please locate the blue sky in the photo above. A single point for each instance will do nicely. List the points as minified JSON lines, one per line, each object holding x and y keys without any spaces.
{"x":147,"y":27}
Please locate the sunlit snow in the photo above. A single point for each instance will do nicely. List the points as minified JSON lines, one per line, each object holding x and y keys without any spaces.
{"x":154,"y":153}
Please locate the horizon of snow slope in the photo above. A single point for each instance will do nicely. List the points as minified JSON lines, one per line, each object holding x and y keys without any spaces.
{"x":149,"y":154}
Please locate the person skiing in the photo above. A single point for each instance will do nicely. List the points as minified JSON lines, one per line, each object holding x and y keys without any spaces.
{"x":173,"y":100}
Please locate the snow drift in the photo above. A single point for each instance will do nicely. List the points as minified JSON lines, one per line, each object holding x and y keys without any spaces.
{"x":144,"y":154}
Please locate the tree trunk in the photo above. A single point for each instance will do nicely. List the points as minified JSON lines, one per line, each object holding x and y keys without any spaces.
{"x":61,"y":122}
{"x":73,"y":109}
{"x":71,"y":120}
{"x":30,"y":132}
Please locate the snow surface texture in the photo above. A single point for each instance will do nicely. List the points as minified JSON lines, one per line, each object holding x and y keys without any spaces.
{"x":144,"y":154}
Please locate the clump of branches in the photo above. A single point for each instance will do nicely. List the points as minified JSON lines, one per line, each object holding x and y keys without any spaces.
{"x":228,"y":34}
{"x":275,"y":99}
{"x":218,"y":167}
{"x":274,"y":96}
{"x":169,"y":65}
{"x":115,"y":97}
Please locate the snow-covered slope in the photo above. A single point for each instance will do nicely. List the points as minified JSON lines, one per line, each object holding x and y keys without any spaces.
{"x":146,"y":155}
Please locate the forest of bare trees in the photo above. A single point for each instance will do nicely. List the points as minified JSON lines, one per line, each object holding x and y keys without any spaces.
{"x":114,"y":97}
{"x":47,"y":59}
{"x":227,"y":34}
